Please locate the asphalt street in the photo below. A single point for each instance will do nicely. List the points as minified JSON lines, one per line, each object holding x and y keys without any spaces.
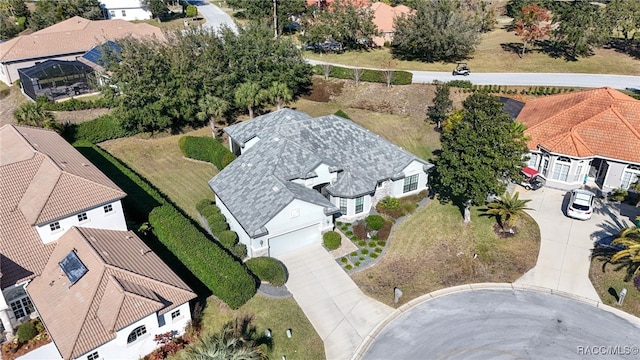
{"x":214,"y":15}
{"x":505,"y":324}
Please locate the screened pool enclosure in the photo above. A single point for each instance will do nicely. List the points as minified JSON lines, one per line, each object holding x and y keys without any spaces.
{"x":57,"y":79}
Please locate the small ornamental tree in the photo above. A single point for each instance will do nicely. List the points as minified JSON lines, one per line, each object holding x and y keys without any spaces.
{"x":533,"y":23}
{"x":442,"y":105}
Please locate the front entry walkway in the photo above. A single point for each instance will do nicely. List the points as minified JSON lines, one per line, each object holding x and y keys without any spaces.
{"x":338,"y":310}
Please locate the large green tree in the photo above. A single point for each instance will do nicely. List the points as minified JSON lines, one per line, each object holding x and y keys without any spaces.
{"x":158,"y":8}
{"x":580,"y":25}
{"x":49,"y":12}
{"x":344,"y":22}
{"x":624,"y":18}
{"x":438,"y":30}
{"x":263,"y":10}
{"x":481,"y":152}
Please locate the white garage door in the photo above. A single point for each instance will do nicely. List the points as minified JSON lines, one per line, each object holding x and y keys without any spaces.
{"x":294,"y":240}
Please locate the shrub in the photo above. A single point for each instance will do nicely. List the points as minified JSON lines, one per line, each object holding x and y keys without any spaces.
{"x":349,"y":233}
{"x":209,"y":211}
{"x":100,"y":129}
{"x":227,"y":278}
{"x":200,"y":205}
{"x":342,"y":114}
{"x":398,"y":78}
{"x":362,"y":243}
{"x":206,"y":149}
{"x":374,"y":222}
{"x":26,"y":332}
{"x":354,"y":253}
{"x":383,"y":233}
{"x":218,"y":227}
{"x":227,"y":159}
{"x":378,"y":250}
{"x":361,"y":258}
{"x":228,"y":238}
{"x":356,"y":264}
{"x":268,"y":269}
{"x":364,"y":251}
{"x":353,"y":238}
{"x":348,"y":267}
{"x":216,"y":217}
{"x":372,"y":244}
{"x":239,"y":250}
{"x":360,"y":230}
{"x":373,"y":255}
{"x":339,"y":223}
{"x":618,"y":194}
{"x":332,"y":240}
{"x":389,"y":206}
{"x":344,"y":260}
{"x":463,"y":84}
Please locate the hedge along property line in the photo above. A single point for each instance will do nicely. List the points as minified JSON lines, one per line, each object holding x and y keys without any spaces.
{"x":399,"y":77}
{"x":206,"y":149}
{"x":225,"y":276}
{"x":100,"y":129}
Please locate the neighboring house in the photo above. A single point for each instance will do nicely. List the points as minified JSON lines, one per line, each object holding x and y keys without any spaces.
{"x":48,"y":192}
{"x":65,"y":40}
{"x":125,"y":10}
{"x":96,"y":60}
{"x":57,"y":79}
{"x":295,"y":174}
{"x":586,"y":135}
{"x":384,"y":17}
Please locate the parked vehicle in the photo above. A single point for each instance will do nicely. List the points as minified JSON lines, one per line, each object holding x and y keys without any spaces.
{"x":461,"y":69}
{"x":327,"y":46}
{"x":533,"y":180}
{"x":580,"y":204}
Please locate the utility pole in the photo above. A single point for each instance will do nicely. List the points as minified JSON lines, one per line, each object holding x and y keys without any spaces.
{"x":275,"y":19}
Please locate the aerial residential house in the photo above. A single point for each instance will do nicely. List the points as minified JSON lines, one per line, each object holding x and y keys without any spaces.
{"x":589,"y":135}
{"x":384,"y":18}
{"x":125,"y":10}
{"x":295,"y":174}
{"x":65,"y":40}
{"x":64,"y":241}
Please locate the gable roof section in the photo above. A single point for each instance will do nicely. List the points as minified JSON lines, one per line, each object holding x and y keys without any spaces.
{"x":43,"y":179}
{"x":384,"y":15}
{"x":125,"y":282}
{"x":596,"y":122}
{"x":257,"y":186}
{"x":74,"y":35}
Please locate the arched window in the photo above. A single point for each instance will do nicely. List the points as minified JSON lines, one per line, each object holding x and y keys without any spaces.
{"x":20,"y":302}
{"x":136,"y":333}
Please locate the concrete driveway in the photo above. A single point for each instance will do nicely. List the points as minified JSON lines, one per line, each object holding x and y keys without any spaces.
{"x":565,"y":245}
{"x":340,"y":313}
{"x":214,"y":15}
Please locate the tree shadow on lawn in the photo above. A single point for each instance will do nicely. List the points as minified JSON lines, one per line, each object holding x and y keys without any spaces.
{"x":553,"y":49}
{"x":631,"y":48}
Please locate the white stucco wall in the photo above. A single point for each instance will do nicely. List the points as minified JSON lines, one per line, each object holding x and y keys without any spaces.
{"x":323,"y":177}
{"x":413,"y":168}
{"x":351,"y":208}
{"x":118,"y":347}
{"x":130,"y":14}
{"x":96,"y":218}
{"x":296,"y":215}
{"x":234,"y":225}
{"x":614,"y":175}
{"x":249,"y":144}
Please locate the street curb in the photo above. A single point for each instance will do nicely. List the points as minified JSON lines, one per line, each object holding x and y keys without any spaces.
{"x":370,"y":338}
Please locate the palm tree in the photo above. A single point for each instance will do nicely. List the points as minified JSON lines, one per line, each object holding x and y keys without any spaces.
{"x":248,"y":95}
{"x":212,"y":108}
{"x":34,"y":114}
{"x":235,"y":341}
{"x":507,"y":210}
{"x":629,"y":257}
{"x":279,"y":93}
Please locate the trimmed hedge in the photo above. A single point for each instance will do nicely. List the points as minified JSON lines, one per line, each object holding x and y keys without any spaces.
{"x":399,"y":77}
{"x":218,"y":227}
{"x":268,"y":269}
{"x":229,"y":281}
{"x":332,"y":240}
{"x":228,"y":238}
{"x":204,"y":203}
{"x":100,"y":129}
{"x":342,"y":114}
{"x":224,"y":276}
{"x":73,"y":104}
{"x":209,"y":211}
{"x":374,"y":222}
{"x":206,"y":149}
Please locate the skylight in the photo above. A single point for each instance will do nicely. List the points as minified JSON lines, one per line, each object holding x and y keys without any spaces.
{"x":73,"y":267}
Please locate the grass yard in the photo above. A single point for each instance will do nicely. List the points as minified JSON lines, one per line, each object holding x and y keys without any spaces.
{"x":277,"y":315}
{"x":609,"y":283}
{"x":432,"y":249}
{"x":497,"y":53}
{"x":159,"y":160}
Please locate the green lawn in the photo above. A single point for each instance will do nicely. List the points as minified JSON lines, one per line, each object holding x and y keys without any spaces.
{"x":610,"y":282}
{"x":491,"y":57}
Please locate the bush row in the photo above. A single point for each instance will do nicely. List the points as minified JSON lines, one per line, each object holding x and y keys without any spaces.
{"x":399,"y":77}
{"x":100,"y":129}
{"x":501,"y":89}
{"x":224,"y":275}
{"x":220,"y":228}
{"x":268,"y":269}
{"x":206,"y":149}
{"x":73,"y":104}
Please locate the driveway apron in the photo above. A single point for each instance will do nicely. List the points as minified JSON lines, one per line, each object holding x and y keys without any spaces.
{"x":338,"y":310}
{"x":565,"y":244}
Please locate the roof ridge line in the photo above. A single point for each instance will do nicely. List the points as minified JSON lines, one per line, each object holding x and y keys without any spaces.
{"x":94,"y":182}
{"x":545,"y":121}
{"x":134,"y":274}
{"x":576,"y":137}
{"x":626,"y":122}
{"x":51,"y":192}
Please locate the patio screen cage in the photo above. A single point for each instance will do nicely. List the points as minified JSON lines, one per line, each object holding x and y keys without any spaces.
{"x":56,"y":79}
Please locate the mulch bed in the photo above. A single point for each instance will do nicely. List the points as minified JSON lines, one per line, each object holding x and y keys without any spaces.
{"x":24,"y":348}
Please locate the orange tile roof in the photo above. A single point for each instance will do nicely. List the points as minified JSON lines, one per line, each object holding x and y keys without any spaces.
{"x":125,"y":282}
{"x":596,"y":122}
{"x":384,"y":15}
{"x":74,"y":35}
{"x":43,"y":179}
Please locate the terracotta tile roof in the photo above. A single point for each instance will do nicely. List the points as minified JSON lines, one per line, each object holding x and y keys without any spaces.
{"x":125,"y":282}
{"x":43,"y":178}
{"x":74,"y":35}
{"x":596,"y":122}
{"x":385,"y":14}
{"x":358,"y":3}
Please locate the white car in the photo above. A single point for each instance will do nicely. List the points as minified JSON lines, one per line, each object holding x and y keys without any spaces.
{"x":581,"y":204}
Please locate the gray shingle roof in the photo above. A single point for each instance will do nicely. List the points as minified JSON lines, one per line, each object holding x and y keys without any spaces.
{"x":256,"y":186}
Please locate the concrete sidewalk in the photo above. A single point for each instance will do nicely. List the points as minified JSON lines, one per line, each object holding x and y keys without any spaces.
{"x":565,"y":245}
{"x":338,"y":310}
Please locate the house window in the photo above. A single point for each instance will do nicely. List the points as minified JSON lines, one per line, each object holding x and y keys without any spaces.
{"x":93,"y":356}
{"x":124,"y":13}
{"x":108,"y":208}
{"x":82,"y":217}
{"x":54,"y":226}
{"x":630,"y":176}
{"x":112,"y":14}
{"x":20,"y":303}
{"x":359,"y":204}
{"x":410,"y":183}
{"x":578,"y":173}
{"x":175,"y":314}
{"x":561,"y":169}
{"x":343,"y":206}
{"x":136,"y":333}
{"x":533,"y":160}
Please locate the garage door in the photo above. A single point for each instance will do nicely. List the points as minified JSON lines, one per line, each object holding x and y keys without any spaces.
{"x":293,"y":240}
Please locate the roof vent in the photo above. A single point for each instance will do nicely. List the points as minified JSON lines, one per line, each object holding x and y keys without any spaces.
{"x":84,"y":164}
{"x":275,"y":188}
